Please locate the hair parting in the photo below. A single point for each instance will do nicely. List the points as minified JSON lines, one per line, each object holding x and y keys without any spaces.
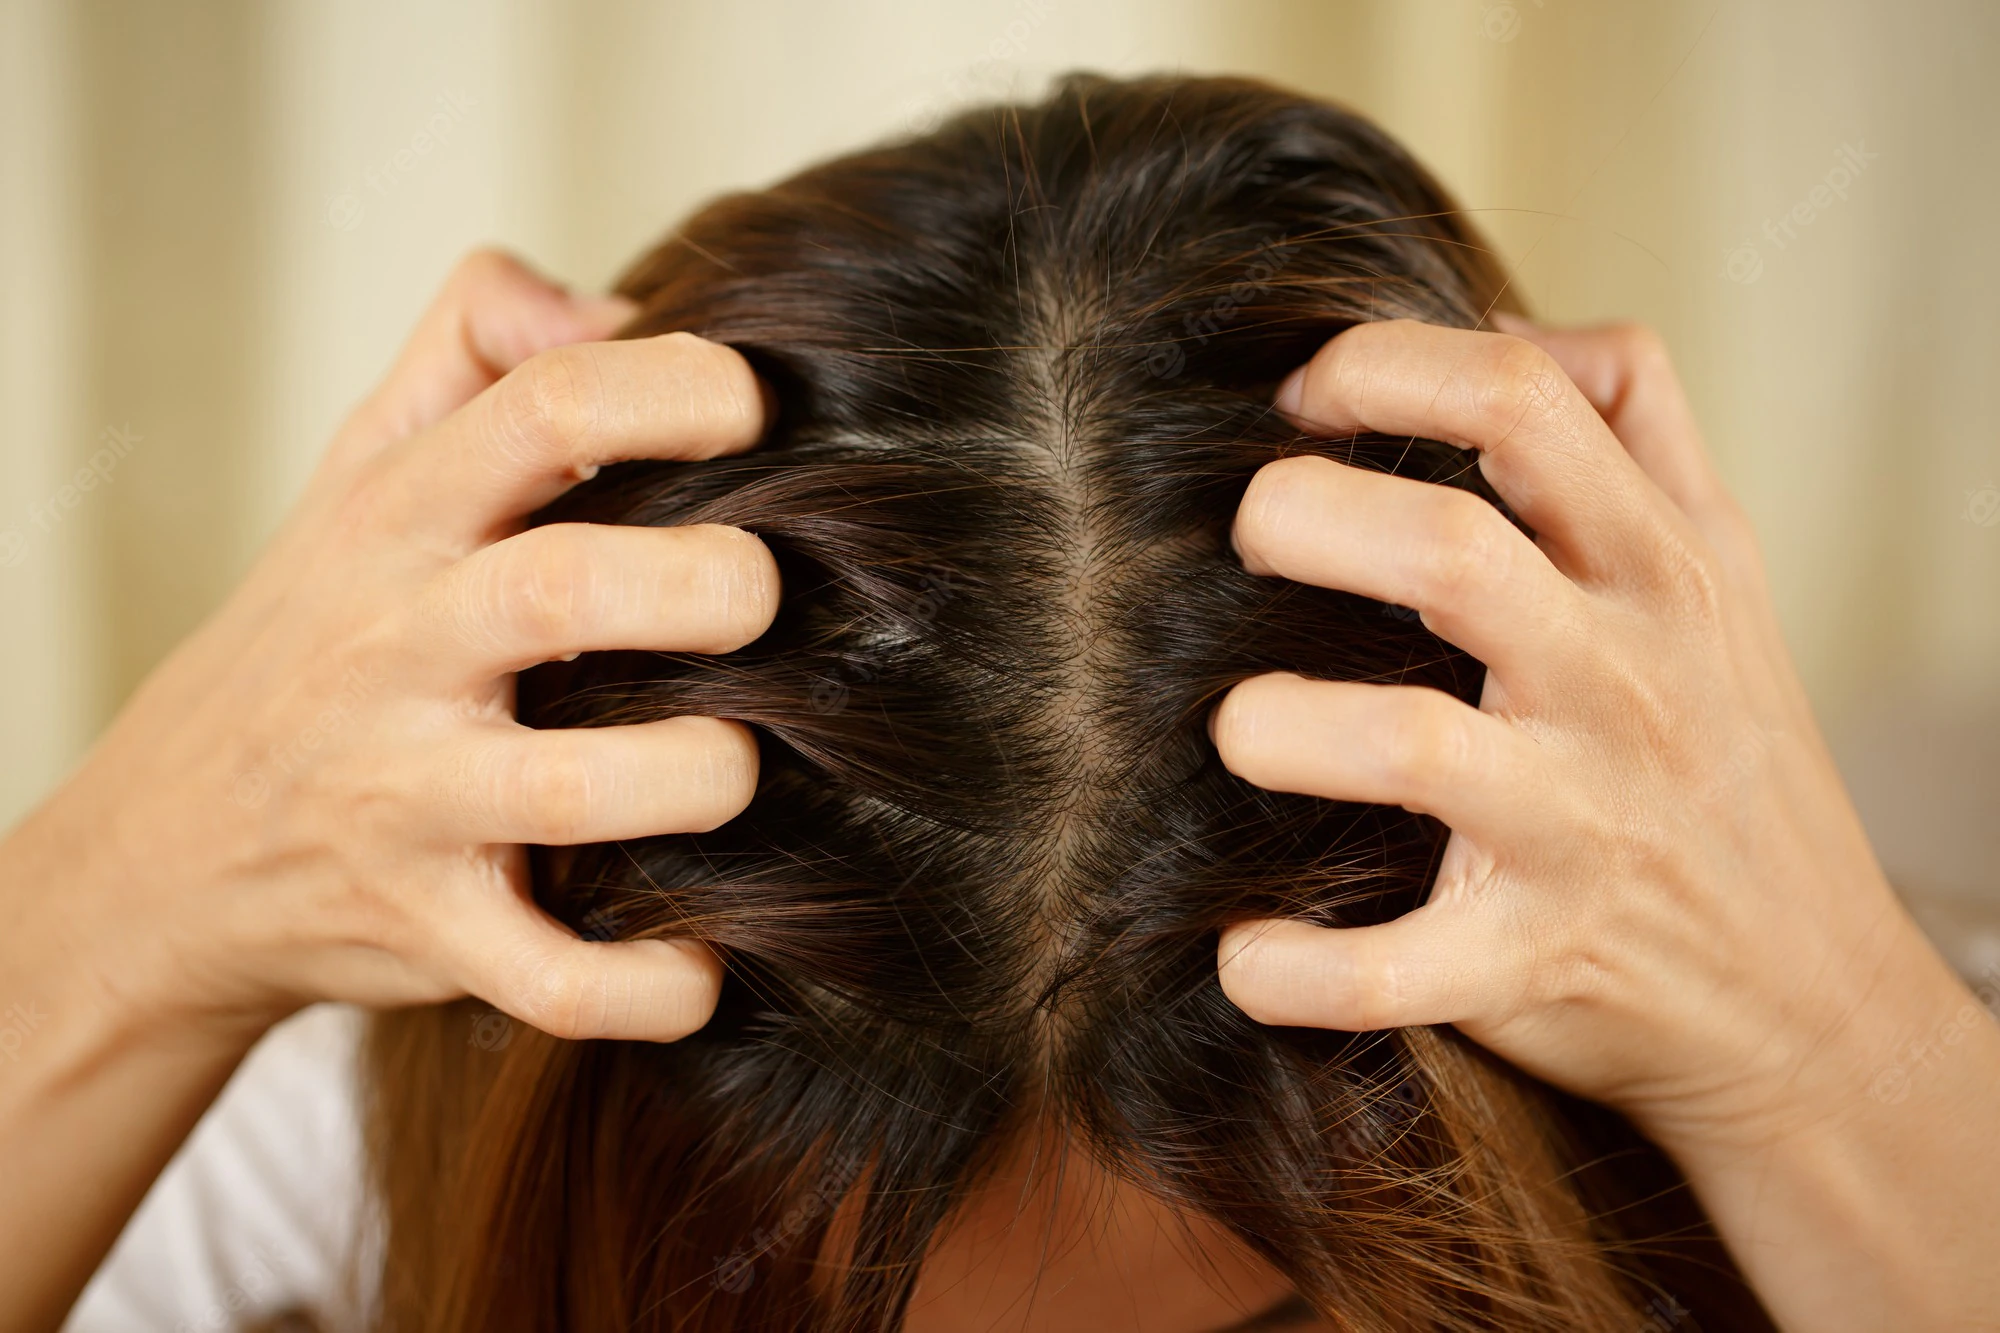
{"x":1024,"y":367}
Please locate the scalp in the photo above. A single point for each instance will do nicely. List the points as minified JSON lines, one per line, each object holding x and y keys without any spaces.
{"x":1023,"y":369}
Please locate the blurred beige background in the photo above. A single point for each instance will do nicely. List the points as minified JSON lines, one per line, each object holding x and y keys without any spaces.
{"x":217,"y":219}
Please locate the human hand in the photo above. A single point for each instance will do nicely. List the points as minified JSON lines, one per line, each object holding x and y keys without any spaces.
{"x":323,"y":793}
{"x":1656,"y":893}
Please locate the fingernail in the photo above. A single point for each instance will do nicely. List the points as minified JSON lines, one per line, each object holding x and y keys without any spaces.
{"x":1292,"y":393}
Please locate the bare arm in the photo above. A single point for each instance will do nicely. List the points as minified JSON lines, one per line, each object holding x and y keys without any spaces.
{"x":1656,"y":893}
{"x":324,"y":794}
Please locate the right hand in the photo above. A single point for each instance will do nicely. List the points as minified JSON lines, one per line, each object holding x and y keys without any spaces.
{"x":323,"y":794}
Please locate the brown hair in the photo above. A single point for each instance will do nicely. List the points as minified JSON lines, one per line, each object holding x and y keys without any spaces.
{"x":1024,"y":366}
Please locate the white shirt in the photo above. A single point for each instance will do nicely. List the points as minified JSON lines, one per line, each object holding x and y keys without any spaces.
{"x":263,"y":1209}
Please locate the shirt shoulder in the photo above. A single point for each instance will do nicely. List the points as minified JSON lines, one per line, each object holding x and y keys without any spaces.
{"x":264,"y":1208}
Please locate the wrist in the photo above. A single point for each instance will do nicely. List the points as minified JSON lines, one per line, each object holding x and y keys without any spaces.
{"x":1823,"y":1028}
{"x":98,"y":1083}
{"x":89,"y":973}
{"x":1864,"y":1203}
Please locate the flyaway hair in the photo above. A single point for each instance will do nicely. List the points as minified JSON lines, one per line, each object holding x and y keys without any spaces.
{"x":1024,"y":367}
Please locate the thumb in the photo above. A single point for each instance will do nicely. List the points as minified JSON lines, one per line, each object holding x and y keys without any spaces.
{"x":522,"y":962}
{"x":1417,"y":970}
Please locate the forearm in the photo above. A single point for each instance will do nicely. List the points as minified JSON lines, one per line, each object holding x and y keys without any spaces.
{"x":322,"y":796}
{"x":1876,"y":1204}
{"x":85,"y":1128}
{"x":97,"y":1088}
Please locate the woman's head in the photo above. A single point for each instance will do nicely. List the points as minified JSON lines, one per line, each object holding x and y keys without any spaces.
{"x":1024,"y":368}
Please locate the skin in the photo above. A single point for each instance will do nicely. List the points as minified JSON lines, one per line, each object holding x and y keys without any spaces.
{"x":323,"y":794}
{"x":1051,"y":1243}
{"x":1656,"y":893}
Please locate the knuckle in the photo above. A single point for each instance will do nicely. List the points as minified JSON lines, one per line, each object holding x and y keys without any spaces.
{"x":1345,"y":370}
{"x":1654,"y":711}
{"x":1376,"y":986}
{"x":552,"y":399}
{"x":359,"y":909}
{"x":1691,"y":579}
{"x":1423,"y":742}
{"x":1638,"y":345}
{"x":552,"y":1001}
{"x":556,"y":792}
{"x":369,"y":507}
{"x":1523,"y":382}
{"x":1464,"y":550}
{"x":541,"y":588}
{"x":1584,"y":971}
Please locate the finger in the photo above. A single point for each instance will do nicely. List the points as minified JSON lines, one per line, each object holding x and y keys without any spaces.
{"x":566,"y":588}
{"x":1541,"y":444}
{"x":559,"y":417}
{"x":1624,"y":372}
{"x":1401,"y":745}
{"x":493,"y":313}
{"x":562,"y":787}
{"x":1435,"y":965}
{"x":1477,"y":579}
{"x":519,"y":960}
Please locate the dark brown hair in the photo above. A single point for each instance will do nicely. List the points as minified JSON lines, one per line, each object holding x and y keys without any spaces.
{"x":1024,"y":366}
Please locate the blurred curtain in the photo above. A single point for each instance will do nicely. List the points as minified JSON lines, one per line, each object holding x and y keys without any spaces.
{"x":217,"y":219}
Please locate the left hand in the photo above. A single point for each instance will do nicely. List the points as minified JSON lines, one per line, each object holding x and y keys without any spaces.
{"x":1656,"y":893}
